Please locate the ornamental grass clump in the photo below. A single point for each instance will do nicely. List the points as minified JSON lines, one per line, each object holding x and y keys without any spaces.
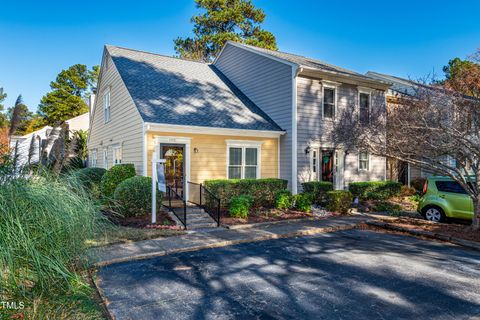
{"x":44,"y":224}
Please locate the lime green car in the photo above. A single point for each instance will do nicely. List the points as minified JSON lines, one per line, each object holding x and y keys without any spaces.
{"x":444,"y":198}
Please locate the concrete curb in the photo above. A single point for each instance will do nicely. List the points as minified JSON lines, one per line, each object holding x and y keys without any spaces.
{"x":226,"y":243}
{"x":427,"y":234}
{"x":96,"y":283}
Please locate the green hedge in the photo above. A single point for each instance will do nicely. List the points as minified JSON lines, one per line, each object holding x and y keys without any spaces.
{"x":318,"y":190}
{"x":134,"y":196}
{"x":112,"y":178}
{"x":375,"y":190}
{"x":339,"y":201}
{"x":284,"y":199}
{"x":303,"y":202}
{"x":239,"y":207}
{"x":263,"y":191}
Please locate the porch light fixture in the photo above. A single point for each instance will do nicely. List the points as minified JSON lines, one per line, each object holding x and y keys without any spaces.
{"x":195,"y":150}
{"x":307,"y":150}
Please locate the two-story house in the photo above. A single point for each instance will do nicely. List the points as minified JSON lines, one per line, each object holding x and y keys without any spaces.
{"x":252,"y":113}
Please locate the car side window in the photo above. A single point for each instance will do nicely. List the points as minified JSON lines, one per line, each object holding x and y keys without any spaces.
{"x":450,"y":186}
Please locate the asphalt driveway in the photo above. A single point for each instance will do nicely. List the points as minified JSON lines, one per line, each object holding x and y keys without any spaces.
{"x":343,"y":275}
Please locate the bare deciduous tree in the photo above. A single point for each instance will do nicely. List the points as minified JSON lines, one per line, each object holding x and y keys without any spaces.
{"x":436,"y":129}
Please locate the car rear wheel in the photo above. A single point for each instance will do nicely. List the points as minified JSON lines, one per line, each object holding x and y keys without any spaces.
{"x":434,"y":214}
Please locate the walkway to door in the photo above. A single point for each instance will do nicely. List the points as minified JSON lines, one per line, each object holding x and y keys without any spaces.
{"x":201,"y":211}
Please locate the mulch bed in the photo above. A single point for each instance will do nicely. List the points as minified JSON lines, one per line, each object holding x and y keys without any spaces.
{"x":144,"y":222}
{"x":265,"y":215}
{"x":449,"y":229}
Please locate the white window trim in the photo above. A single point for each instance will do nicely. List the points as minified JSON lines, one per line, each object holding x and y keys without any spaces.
{"x":243,"y":145}
{"x":114,"y":148}
{"x":105,"y":158}
{"x":186,"y":156}
{"x":317,"y":177}
{"x":369,"y":92}
{"x":368,"y":162}
{"x":107,"y":115}
{"x":330,"y":85}
{"x":93,"y":156}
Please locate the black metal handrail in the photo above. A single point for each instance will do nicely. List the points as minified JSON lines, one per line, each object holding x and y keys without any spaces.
{"x":179,"y":212}
{"x":206,"y":200}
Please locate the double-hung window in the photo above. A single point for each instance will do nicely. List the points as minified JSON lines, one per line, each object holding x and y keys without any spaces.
{"x":106,"y":106}
{"x":364,"y":107}
{"x":243,"y":160}
{"x":363,"y":161}
{"x":93,"y":158}
{"x":117,"y":155}
{"x":328,"y":103}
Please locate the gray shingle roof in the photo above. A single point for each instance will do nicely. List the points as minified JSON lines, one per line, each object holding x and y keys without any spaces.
{"x":399,"y":85}
{"x":309,"y":62}
{"x":169,"y":90}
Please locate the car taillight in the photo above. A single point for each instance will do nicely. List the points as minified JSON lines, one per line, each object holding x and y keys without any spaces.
{"x":425,"y":187}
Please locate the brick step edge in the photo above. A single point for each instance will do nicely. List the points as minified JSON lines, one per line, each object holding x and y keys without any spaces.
{"x":432,"y":235}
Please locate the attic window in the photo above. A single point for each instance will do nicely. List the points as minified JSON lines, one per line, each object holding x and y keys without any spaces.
{"x":106,"y":106}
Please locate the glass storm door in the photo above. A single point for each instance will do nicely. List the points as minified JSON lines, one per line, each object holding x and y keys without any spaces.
{"x":174,"y":166}
{"x":327,"y":165}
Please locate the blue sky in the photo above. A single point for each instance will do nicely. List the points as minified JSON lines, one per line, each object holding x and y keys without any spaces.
{"x":405,"y":38}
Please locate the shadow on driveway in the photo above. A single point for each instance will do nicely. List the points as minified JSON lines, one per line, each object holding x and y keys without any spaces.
{"x":343,"y":275}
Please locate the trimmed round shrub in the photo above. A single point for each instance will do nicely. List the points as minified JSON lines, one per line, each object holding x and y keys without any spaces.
{"x":90,"y":177}
{"x":303,"y":202}
{"x":339,"y":201}
{"x":112,"y":178}
{"x":240,"y":206}
{"x":318,"y":190}
{"x":134,"y":196}
{"x":284,"y":199}
{"x":375,"y":190}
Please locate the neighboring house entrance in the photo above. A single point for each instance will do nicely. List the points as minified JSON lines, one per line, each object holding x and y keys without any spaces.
{"x":327,"y":163}
{"x":174,"y":166}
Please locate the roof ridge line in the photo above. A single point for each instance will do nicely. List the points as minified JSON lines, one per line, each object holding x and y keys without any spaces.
{"x":156,"y":54}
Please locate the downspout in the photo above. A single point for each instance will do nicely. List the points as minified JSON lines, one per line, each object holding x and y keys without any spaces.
{"x":295,"y":72}
{"x":144,"y":150}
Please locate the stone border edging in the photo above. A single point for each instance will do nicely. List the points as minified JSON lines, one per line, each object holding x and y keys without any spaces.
{"x":226,"y":243}
{"x":432,"y":235}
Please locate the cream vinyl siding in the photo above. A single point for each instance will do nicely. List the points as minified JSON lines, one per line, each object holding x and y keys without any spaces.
{"x":125,"y":126}
{"x":210,"y":162}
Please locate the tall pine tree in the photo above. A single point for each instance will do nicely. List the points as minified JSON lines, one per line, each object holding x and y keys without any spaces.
{"x":236,"y":20}
{"x":65,"y":101}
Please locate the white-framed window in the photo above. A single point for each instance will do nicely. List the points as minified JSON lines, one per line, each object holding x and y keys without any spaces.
{"x":243,"y":159}
{"x":93,"y":158}
{"x":363,"y":161}
{"x":329,"y":99}
{"x":106,"y":106}
{"x":328,"y":111}
{"x":364,"y":105}
{"x":117,"y":154}
{"x":105,"y":158}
